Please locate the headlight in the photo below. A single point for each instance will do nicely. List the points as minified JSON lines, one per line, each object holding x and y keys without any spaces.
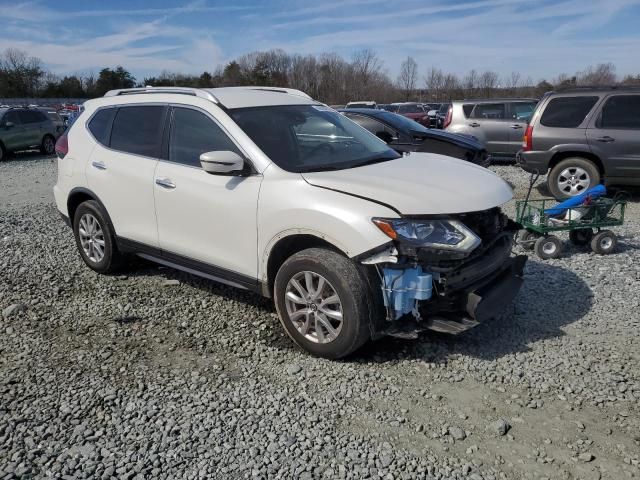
{"x":441,"y":234}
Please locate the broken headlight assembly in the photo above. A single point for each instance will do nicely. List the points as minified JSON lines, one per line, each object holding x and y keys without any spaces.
{"x":440,"y":234}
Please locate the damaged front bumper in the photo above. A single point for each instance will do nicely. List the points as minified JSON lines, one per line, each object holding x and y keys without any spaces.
{"x":427,"y":290}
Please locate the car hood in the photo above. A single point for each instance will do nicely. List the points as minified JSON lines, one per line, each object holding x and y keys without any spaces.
{"x":420,"y":184}
{"x":466,"y":141}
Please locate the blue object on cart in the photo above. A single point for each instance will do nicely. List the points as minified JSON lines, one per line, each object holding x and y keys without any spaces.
{"x":573,"y":202}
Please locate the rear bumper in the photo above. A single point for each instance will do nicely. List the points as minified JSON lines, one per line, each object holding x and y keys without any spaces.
{"x":534,"y":162}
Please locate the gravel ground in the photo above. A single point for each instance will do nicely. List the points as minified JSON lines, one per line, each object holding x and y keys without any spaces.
{"x":156,"y":374}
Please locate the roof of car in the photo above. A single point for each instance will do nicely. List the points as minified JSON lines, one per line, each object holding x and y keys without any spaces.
{"x":229,"y":97}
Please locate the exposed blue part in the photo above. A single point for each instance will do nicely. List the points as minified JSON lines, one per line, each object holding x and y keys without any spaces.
{"x":595,"y":192}
{"x":402,"y":287}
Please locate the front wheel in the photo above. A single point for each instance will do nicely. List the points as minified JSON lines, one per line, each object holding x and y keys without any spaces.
{"x":604,"y":242}
{"x":324,"y":302}
{"x":548,"y":247}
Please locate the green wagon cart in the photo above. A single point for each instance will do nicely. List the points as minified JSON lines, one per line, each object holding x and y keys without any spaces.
{"x":586,"y":224}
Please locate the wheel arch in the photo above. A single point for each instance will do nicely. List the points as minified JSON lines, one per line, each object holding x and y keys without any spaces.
{"x":283,"y":247}
{"x":79,"y":195}
{"x":559,"y":156}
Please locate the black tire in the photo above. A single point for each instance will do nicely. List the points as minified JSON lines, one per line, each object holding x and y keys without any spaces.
{"x":548,"y":247}
{"x":589,"y":171}
{"x":112,"y":260}
{"x":581,"y":236}
{"x":527,"y":239}
{"x":348,"y":282}
{"x":48,"y":145}
{"x":604,"y":242}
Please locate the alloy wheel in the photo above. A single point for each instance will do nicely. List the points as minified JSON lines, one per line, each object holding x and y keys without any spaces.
{"x":573,"y":180}
{"x":314,"y":307}
{"x":91,"y":238}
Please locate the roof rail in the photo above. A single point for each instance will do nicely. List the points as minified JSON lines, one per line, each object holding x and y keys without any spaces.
{"x":290,"y":91}
{"x":597,"y":88}
{"x":196,"y":92}
{"x":499,"y":99}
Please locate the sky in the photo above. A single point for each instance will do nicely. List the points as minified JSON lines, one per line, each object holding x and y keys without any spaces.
{"x":538,"y":38}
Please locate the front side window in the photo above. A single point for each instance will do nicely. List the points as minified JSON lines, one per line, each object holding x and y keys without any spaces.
{"x":30,"y":116}
{"x":192,"y":134}
{"x":621,"y":111}
{"x":306,"y":138}
{"x":489,"y":111}
{"x":567,"y":112}
{"x":138,"y":130}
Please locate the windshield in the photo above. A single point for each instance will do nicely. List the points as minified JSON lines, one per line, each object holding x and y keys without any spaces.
{"x":308,"y":138}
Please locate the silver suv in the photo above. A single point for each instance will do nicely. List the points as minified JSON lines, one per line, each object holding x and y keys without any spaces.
{"x":498,"y":123}
{"x":583,"y":136}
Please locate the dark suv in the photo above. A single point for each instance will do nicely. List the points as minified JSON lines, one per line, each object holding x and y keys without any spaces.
{"x":26,"y":128}
{"x":584,"y":136}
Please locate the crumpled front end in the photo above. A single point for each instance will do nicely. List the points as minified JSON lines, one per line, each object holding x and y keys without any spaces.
{"x":448,"y":288}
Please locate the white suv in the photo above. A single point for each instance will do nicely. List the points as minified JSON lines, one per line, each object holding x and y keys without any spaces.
{"x":268,"y":190}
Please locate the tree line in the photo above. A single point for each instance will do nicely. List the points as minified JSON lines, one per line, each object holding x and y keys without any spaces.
{"x":327,"y":77}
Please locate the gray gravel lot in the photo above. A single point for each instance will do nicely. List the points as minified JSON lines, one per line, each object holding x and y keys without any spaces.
{"x":157,"y":374}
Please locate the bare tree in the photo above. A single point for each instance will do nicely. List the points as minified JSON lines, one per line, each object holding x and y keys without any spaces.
{"x":408,"y":77}
{"x":366,"y":66}
{"x":487,"y":83}
{"x":434,"y":83}
{"x":601,"y":74}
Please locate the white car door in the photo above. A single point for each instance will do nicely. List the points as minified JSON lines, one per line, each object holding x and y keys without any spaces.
{"x":122,"y":166}
{"x":205,"y":221}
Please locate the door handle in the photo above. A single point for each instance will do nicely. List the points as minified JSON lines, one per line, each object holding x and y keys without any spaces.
{"x":606,"y":139}
{"x":474,"y":124}
{"x":515,"y":126}
{"x":99,"y":165}
{"x":165,"y":183}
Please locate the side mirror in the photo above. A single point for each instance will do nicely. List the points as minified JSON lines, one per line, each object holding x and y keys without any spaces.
{"x":222,"y":162}
{"x":8,"y":125}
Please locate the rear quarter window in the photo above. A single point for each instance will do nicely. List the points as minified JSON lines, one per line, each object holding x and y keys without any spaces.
{"x":100,"y":125}
{"x":567,"y":112}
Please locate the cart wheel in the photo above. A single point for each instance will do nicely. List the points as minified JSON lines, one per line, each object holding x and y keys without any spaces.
{"x":548,"y":247}
{"x":581,"y":237}
{"x":526,"y":239}
{"x":604,"y":242}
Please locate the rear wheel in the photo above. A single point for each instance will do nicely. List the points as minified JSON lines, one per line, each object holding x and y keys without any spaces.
{"x":572,"y":176}
{"x":324,"y":302}
{"x":95,"y":239}
{"x":581,"y":236}
{"x":604,"y":242}
{"x":48,"y":145}
{"x":548,"y":247}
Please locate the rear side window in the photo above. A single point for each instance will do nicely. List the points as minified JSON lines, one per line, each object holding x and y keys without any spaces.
{"x":489,"y":111}
{"x":100,"y":125}
{"x":31,"y":116}
{"x":522,"y":111}
{"x":567,"y":112}
{"x":621,"y":111}
{"x":467,"y":109}
{"x":138,"y":130}
{"x":192,"y":134}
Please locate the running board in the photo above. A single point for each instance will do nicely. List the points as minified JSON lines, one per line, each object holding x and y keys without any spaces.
{"x":410,"y":329}
{"x":452,"y":327}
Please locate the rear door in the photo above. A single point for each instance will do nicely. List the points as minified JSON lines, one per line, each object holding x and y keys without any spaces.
{"x":519,"y":115}
{"x":31,"y":121}
{"x":491,"y":120}
{"x":122,"y":166}
{"x":615,"y":134}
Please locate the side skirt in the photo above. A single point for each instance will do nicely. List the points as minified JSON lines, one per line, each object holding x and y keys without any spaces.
{"x":189,"y":265}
